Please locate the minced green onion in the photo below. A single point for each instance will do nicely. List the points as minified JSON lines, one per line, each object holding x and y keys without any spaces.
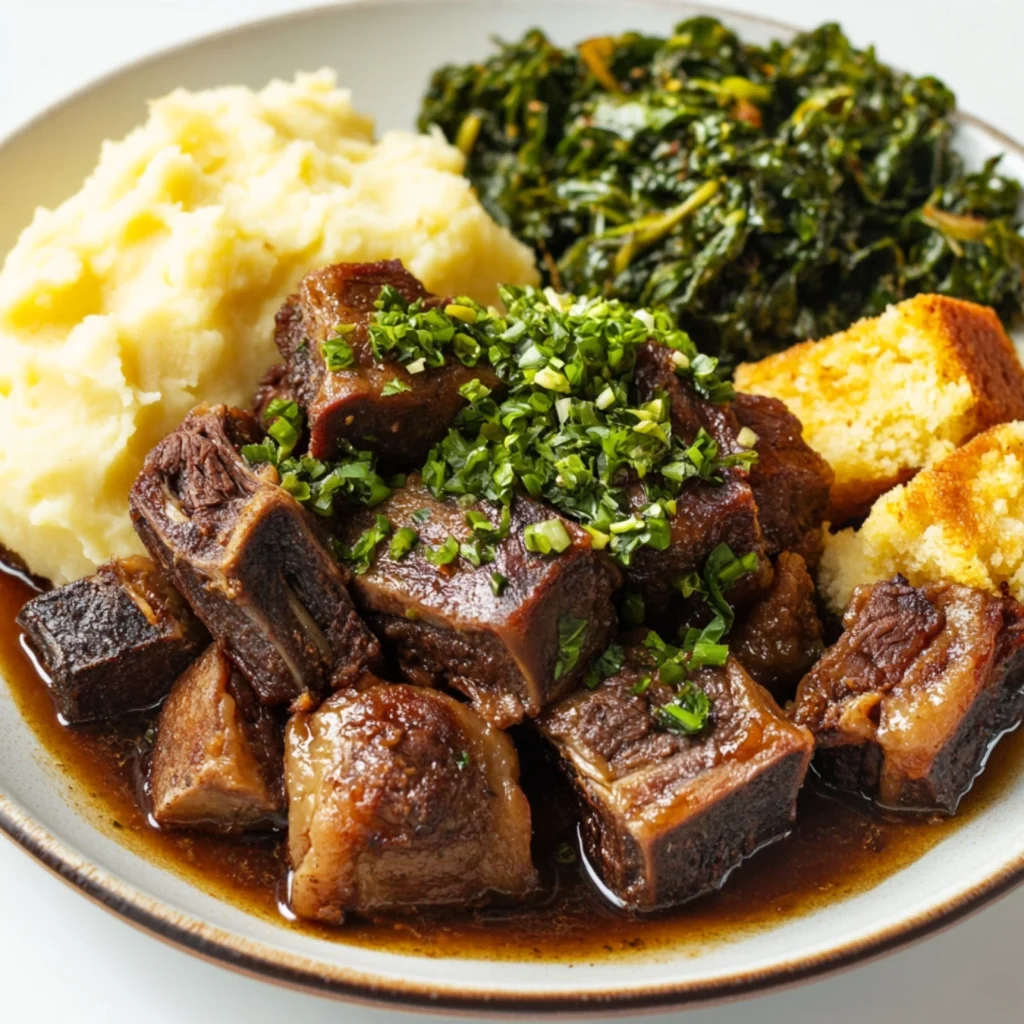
{"x":547,"y":536}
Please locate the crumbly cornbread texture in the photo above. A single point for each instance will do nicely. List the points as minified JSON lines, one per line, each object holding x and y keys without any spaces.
{"x":893,"y":394}
{"x":961,"y":519}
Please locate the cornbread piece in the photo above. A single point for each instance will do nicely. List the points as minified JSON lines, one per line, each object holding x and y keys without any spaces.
{"x":891,"y":394}
{"x":250,"y":560}
{"x":790,"y":481}
{"x":510,"y":652}
{"x":217,"y":760}
{"x":707,"y":514}
{"x":907,"y":704}
{"x":350,"y":403}
{"x":401,"y":797}
{"x":666,"y":817}
{"x":779,"y":637}
{"x":113,"y":642}
{"x":962,"y":520}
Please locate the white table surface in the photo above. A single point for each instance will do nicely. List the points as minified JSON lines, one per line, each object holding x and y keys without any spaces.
{"x":62,"y":959}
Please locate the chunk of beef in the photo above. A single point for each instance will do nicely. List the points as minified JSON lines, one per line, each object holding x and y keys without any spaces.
{"x":250,"y":560}
{"x":446,"y":624}
{"x":350,"y":403}
{"x":791,"y":482}
{"x":907,"y":704}
{"x":779,"y":638}
{"x":401,"y":797}
{"x":113,"y":642}
{"x":707,"y":514}
{"x":666,"y":817}
{"x":217,"y":762}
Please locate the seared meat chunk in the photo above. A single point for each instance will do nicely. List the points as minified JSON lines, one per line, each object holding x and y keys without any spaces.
{"x":511,"y":651}
{"x":113,"y":642}
{"x":791,"y":482}
{"x":666,"y":816}
{"x":401,"y":797}
{"x":250,"y":560}
{"x":708,"y":514}
{"x":349,"y":403}
{"x":906,"y":705}
{"x":217,"y":761}
{"x":779,"y":637}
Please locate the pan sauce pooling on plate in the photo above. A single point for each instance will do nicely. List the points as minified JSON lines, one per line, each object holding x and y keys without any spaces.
{"x":578,"y":545}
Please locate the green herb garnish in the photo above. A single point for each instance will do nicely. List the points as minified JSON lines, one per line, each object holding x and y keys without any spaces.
{"x":546,"y":537}
{"x":572,"y":637}
{"x":395,"y":387}
{"x":403,"y":542}
{"x":687,"y":713}
{"x":498,"y":583}
{"x":463,"y":760}
{"x":445,"y":554}
{"x":359,"y":557}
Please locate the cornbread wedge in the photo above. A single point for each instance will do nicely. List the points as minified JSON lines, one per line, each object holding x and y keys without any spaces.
{"x":961,"y":520}
{"x":890,"y":395}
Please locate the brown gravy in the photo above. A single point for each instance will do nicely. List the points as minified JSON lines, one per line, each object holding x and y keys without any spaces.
{"x":836,"y":849}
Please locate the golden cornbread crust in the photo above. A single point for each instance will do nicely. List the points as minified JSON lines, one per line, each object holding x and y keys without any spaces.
{"x":893,"y":393}
{"x":961,"y":519}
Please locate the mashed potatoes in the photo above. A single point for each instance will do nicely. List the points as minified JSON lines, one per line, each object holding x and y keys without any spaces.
{"x":155,"y":287}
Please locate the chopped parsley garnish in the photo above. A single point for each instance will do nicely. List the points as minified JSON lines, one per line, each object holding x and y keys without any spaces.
{"x":572,"y":637}
{"x":498,"y":584}
{"x":421,"y":515}
{"x":463,"y":760}
{"x":445,"y":554}
{"x":403,"y":542}
{"x":337,"y":352}
{"x":359,"y":557}
{"x":604,"y":667}
{"x":687,"y":713}
{"x":395,"y":387}
{"x":315,"y":483}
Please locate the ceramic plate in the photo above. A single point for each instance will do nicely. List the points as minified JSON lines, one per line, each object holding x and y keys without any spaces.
{"x":385,"y":51}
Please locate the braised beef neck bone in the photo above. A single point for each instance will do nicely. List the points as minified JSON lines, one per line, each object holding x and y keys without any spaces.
{"x":707,"y":513}
{"x":113,"y":642}
{"x":350,"y":403}
{"x":779,"y":637}
{"x":510,"y":652}
{"x":791,"y":482}
{"x":666,"y":817}
{"x":907,"y":704}
{"x":251,"y":561}
{"x":401,"y":797}
{"x":217,"y":759}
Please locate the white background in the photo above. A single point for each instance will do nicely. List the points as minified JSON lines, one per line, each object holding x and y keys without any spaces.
{"x":62,"y":959}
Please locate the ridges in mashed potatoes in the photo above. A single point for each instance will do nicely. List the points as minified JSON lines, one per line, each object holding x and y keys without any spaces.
{"x":156,"y":285}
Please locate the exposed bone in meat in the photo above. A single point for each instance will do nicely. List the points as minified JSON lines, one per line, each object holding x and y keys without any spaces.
{"x":401,"y":797}
{"x":446,"y":624}
{"x":250,"y":560}
{"x":113,"y":642}
{"x":666,"y":817}
{"x":349,"y":403}
{"x":217,"y":759}
{"x":906,"y":705}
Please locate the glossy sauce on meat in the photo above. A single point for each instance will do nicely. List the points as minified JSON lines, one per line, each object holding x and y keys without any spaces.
{"x":836,"y":850}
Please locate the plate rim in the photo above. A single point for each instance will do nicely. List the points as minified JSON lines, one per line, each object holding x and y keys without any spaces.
{"x":306,"y":974}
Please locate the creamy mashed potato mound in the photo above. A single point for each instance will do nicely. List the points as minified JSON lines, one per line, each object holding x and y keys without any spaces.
{"x":155,"y":287}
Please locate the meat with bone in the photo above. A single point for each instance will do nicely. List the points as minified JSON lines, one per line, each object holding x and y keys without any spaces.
{"x":401,"y":797}
{"x":250,"y":560}
{"x":791,"y":482}
{"x":666,"y":817}
{"x":708,"y":513}
{"x":350,"y":402}
{"x":779,"y":637}
{"x":217,"y":760}
{"x":113,"y":642}
{"x":906,"y":705}
{"x":511,"y":651}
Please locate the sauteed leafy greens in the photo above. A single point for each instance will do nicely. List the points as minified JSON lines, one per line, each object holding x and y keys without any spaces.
{"x":764,"y":195}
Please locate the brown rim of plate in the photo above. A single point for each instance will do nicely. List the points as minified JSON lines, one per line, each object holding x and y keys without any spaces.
{"x":290,"y":970}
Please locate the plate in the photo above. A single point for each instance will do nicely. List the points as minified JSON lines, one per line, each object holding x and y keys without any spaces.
{"x":384,"y":51}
